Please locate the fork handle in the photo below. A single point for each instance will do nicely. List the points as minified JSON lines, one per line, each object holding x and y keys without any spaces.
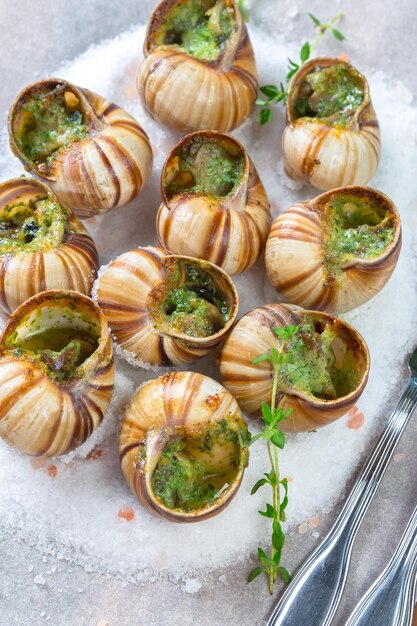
{"x":391,"y":598}
{"x":315,"y":591}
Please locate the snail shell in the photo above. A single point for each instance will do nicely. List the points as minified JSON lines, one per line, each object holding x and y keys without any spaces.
{"x":229,"y":230}
{"x":191,"y":402}
{"x":104,"y":170}
{"x":329,"y":156}
{"x":65,"y":258}
{"x":251,"y":384}
{"x":42,"y":411}
{"x":129,"y":291}
{"x":297,"y":253}
{"x":187,"y":94}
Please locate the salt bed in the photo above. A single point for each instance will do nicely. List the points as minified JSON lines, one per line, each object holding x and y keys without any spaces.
{"x":70,"y":506}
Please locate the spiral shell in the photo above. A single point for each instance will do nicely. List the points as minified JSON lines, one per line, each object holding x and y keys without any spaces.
{"x":185,"y":400}
{"x":251,"y":384}
{"x":41,"y":412}
{"x":107,"y":169}
{"x":228,"y":230}
{"x":127,"y":290}
{"x":187,"y":94}
{"x":296,"y":254}
{"x":68,"y":260}
{"x":329,"y":156}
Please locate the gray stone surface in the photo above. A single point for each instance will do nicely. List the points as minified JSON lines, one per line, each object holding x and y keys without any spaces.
{"x":39,"y":35}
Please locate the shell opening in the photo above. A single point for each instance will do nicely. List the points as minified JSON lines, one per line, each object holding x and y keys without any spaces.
{"x":332,"y":94}
{"x":48,"y":118}
{"x":193,"y":299}
{"x":32,"y":222}
{"x":204,"y":164}
{"x":359,"y":226}
{"x":201,"y":28}
{"x":323,"y":360}
{"x":56,"y":334}
{"x":195,"y":468}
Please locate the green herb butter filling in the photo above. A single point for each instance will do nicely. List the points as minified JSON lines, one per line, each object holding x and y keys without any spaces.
{"x":199,"y":27}
{"x":320,"y":361}
{"x":60,"y":339}
{"x":354,"y":228}
{"x":331,"y":94}
{"x":35,"y":225}
{"x":205,"y":166}
{"x":190,"y":302}
{"x":196,"y":468}
{"x":47,"y":120}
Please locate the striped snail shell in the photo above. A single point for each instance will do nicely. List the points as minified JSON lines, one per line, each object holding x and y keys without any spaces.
{"x":184,"y":406}
{"x":251,"y":384}
{"x":133,"y":291}
{"x":226,"y":220}
{"x":335,"y":252}
{"x":323,"y":153}
{"x":56,"y":373}
{"x":99,"y":161}
{"x":187,"y":93}
{"x":43,"y":245}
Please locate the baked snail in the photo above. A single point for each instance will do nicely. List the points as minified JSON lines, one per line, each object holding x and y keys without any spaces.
{"x":214,"y":204}
{"x":334,"y":252}
{"x":183,"y":446}
{"x":93,"y":154}
{"x":56,"y":373}
{"x":42,"y":244}
{"x":332,"y":135}
{"x":199,"y":68}
{"x":324,"y":376}
{"x":165,"y":309}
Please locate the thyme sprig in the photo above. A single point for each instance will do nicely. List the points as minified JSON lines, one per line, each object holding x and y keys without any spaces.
{"x":275,"y":440}
{"x":274,"y":94}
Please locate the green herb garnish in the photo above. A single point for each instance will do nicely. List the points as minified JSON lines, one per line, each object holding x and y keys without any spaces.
{"x":274,"y":94}
{"x":198,"y":467}
{"x":199,"y":27}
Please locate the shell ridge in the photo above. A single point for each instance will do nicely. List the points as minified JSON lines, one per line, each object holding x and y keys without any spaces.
{"x":108,"y":165}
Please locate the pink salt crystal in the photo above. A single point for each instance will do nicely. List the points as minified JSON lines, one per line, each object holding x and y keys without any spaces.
{"x":398,"y":457}
{"x":52,"y":471}
{"x":127,"y":513}
{"x":356,"y":419}
{"x":302,"y":529}
{"x":313,"y":521}
{"x":95,"y":453}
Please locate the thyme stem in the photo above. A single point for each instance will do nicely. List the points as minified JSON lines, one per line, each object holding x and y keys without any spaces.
{"x":274,"y":439}
{"x":323,"y":28}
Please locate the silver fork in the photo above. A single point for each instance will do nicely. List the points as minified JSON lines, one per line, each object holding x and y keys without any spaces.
{"x":391,"y":598}
{"x":315,"y":591}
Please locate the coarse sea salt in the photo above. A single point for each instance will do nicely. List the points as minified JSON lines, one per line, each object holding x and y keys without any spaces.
{"x":74,"y":515}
